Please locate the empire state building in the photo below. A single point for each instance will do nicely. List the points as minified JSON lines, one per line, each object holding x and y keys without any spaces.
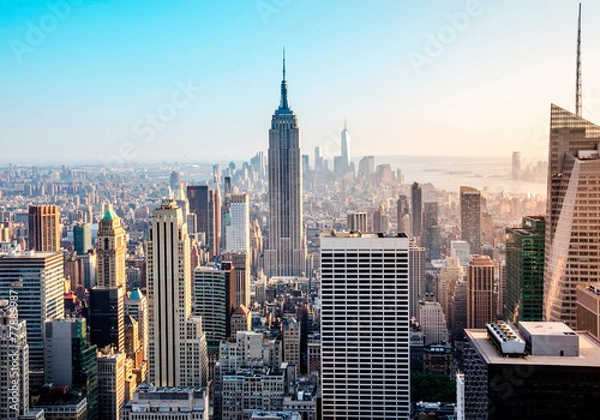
{"x":286,"y":251}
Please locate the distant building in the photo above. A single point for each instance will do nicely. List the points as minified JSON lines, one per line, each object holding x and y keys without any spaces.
{"x":416,"y":209}
{"x":82,"y":238}
{"x":402,"y":215}
{"x":470,"y":217}
{"x":433,"y":322}
{"x":516,"y":166}
{"x":111,"y":385}
{"x":44,"y":228}
{"x":525,"y":271}
{"x":480,"y":292}
{"x":357,"y":221}
{"x":431,"y":231}
{"x":417,"y":278}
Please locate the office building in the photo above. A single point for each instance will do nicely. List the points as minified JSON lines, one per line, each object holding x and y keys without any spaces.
{"x":470,"y":217}
{"x":163,"y":403}
{"x":106,"y":317}
{"x":365,"y":326}
{"x":402,"y":215}
{"x":82,"y":238}
{"x":291,"y":342}
{"x":450,"y":274}
{"x":588,"y":308}
{"x":516,"y":166}
{"x":286,"y":251}
{"x":525,"y":271}
{"x":433,"y":322}
{"x":111,"y":251}
{"x":14,"y":359}
{"x":111,"y":384}
{"x":417,"y":278}
{"x":573,"y":210}
{"x":44,"y":228}
{"x":237,"y":231}
{"x":543,"y":371}
{"x":431,"y":231}
{"x":356,"y":221}
{"x":70,"y":362}
{"x":416,"y":207}
{"x":461,"y":250}
{"x":240,"y":266}
{"x":38,"y":279}
{"x":480,"y":292}
{"x":241,"y":320}
{"x":177,"y":344}
{"x":136,"y":306}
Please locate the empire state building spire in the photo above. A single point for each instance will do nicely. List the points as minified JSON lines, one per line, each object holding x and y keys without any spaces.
{"x":283,"y":103}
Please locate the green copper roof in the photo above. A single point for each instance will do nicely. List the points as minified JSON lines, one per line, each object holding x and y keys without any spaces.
{"x":136,"y":294}
{"x":110,"y":215}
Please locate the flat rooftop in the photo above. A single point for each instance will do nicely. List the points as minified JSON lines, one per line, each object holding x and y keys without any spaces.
{"x":589,"y":352}
{"x":547,"y":328}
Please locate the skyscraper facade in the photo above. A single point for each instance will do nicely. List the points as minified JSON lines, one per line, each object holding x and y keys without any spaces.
{"x":573,"y":210}
{"x":365,"y":326}
{"x":416,"y":209}
{"x":44,"y":228}
{"x":111,"y":251}
{"x":237,"y":232}
{"x":525,"y":271}
{"x":431,"y":231}
{"x":402,"y":215}
{"x":286,"y":253}
{"x":417,"y":278}
{"x":177,"y":346}
{"x":357,"y":221}
{"x":38,"y":279}
{"x":480,"y":291}
{"x":82,"y":238}
{"x":470,"y":217}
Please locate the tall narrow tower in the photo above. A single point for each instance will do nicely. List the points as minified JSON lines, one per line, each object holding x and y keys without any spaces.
{"x":177,"y":342}
{"x":111,"y":251}
{"x":345,"y":150}
{"x":44,"y":228}
{"x":578,"y":75}
{"x":286,"y":253}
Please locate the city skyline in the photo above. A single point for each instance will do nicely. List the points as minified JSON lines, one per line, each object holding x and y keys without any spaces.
{"x":376,"y":53}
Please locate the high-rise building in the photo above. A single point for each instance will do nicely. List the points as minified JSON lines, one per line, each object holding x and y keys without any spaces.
{"x":237,"y":231}
{"x":573,"y":210}
{"x":381,"y":221}
{"x":14,"y":359}
{"x":433,"y":322}
{"x":516,"y":166}
{"x":38,"y":279}
{"x":111,"y":251}
{"x":543,"y":371}
{"x":450,"y":274}
{"x":286,"y":253}
{"x":345,"y":146}
{"x":239,"y":264}
{"x":82,"y":238}
{"x":70,"y":361}
{"x":416,"y":209}
{"x":291,"y":342}
{"x":357,"y":221}
{"x":365,"y":326}
{"x":107,"y":317}
{"x":199,"y":202}
{"x":470,"y":217}
{"x":525,"y":271}
{"x":588,"y":308}
{"x":44,"y":228}
{"x":366,"y":167}
{"x":480,"y":291}
{"x":431,"y":231}
{"x":136,"y":305}
{"x":174,"y":179}
{"x":111,"y":384}
{"x":402,"y":215}
{"x":214,"y":301}
{"x":417,"y":278}
{"x":241,"y":320}
{"x":177,"y":343}
{"x":462,"y":251}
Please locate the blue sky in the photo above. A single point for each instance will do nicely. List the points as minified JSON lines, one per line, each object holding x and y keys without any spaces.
{"x":197,"y":81}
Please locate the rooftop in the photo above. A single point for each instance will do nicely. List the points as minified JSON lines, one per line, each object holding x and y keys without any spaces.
{"x":589,"y":355}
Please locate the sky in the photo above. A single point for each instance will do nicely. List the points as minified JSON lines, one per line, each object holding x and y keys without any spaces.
{"x":126,"y":81}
